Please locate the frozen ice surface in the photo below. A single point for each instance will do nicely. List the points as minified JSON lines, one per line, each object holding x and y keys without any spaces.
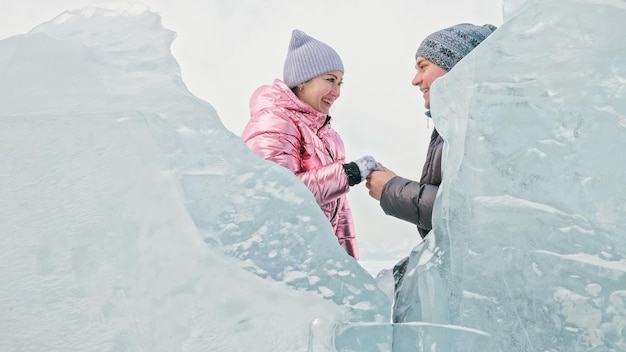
{"x":133,"y":220}
{"x":529,"y":244}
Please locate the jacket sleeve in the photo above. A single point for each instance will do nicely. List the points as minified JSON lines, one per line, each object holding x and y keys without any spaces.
{"x":278,"y":139}
{"x":274,"y":139}
{"x":409,"y":200}
{"x":327,"y":183}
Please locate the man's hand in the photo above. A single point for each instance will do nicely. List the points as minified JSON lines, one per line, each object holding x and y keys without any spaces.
{"x":377,"y":180}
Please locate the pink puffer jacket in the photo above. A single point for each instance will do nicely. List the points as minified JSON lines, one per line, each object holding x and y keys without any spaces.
{"x":289,"y":132}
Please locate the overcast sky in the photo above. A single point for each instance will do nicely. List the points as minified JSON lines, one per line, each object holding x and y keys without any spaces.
{"x":227,"y":48}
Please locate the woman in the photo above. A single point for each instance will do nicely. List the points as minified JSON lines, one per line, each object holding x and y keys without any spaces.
{"x":289,"y":125}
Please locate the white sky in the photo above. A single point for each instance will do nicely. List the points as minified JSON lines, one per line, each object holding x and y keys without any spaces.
{"x":226,"y":49}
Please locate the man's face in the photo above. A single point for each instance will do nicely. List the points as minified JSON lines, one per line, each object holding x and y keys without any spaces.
{"x":427,"y":73}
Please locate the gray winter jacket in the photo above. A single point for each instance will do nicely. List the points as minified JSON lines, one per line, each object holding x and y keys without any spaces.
{"x":413,"y":201}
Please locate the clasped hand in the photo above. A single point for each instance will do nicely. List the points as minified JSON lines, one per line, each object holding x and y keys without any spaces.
{"x":377,"y":180}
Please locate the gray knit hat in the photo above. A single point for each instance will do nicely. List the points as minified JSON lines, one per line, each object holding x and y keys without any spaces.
{"x":308,"y":58}
{"x":448,"y":46}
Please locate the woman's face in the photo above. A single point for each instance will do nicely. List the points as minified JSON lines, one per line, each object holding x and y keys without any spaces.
{"x":321,"y":91}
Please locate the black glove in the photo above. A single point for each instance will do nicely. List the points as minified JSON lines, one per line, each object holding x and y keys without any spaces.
{"x":358,"y":170}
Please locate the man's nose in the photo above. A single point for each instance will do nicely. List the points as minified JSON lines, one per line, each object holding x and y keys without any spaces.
{"x":417,"y":79}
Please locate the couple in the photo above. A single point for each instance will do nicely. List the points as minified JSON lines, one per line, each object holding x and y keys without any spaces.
{"x":290,"y":126}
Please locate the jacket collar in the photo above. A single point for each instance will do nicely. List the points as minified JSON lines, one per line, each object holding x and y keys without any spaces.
{"x":280,"y":95}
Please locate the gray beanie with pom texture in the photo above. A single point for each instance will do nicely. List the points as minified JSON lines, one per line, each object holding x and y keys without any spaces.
{"x":308,"y":58}
{"x":445,"y":48}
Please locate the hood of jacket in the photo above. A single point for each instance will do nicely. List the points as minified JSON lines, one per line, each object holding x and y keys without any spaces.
{"x":278,"y":95}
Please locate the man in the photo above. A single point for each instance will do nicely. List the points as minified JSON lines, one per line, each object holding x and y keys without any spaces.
{"x":407,"y":199}
{"x":403,"y":198}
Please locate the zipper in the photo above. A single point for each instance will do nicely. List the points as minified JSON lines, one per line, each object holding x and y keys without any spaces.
{"x":327,"y":122}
